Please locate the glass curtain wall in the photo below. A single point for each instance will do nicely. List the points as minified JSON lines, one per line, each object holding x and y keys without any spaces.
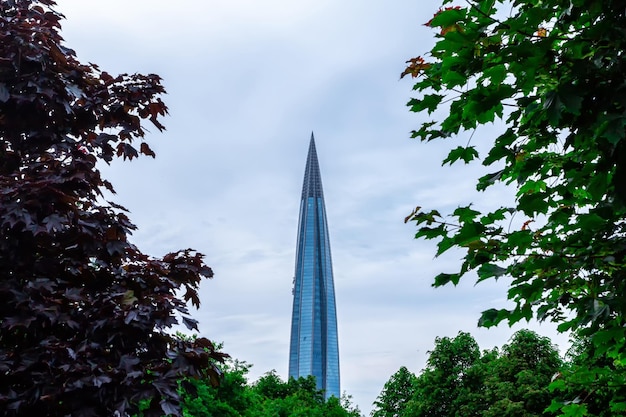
{"x":314,"y":346}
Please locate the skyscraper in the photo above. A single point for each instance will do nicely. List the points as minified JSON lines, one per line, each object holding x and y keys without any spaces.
{"x":314,"y":348}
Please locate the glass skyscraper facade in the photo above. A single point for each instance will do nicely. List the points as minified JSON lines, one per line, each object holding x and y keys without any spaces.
{"x":314,"y":348}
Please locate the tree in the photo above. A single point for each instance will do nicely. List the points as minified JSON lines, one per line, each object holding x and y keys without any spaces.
{"x":232,"y":398}
{"x":517,"y":381}
{"x":396,"y":393}
{"x":269,"y":396}
{"x":549,"y":75}
{"x":297,"y":397}
{"x":447,"y":386}
{"x":84,"y":314}
{"x":459,"y":380}
{"x":579,"y":381}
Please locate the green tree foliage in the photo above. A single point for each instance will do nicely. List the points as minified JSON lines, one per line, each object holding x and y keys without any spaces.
{"x":451,"y":378}
{"x":297,"y":397}
{"x":459,"y":380}
{"x":550,"y":75}
{"x":85,"y":316}
{"x":516,"y":381}
{"x":231,"y":398}
{"x":269,"y":396}
{"x":396,"y":393}
{"x":583,"y":380}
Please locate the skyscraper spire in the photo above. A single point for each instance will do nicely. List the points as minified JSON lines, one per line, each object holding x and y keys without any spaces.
{"x":314,"y":344}
{"x":312,"y":186}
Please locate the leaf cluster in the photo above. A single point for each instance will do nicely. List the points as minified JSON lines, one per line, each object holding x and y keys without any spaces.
{"x":549,"y":75}
{"x":85,"y":316}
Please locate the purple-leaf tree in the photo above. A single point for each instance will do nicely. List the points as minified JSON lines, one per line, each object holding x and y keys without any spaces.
{"x":85,"y":316}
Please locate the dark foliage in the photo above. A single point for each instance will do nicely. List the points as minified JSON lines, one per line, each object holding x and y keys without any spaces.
{"x":84,"y":313}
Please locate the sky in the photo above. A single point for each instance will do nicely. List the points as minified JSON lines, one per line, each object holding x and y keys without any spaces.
{"x":247,"y":82}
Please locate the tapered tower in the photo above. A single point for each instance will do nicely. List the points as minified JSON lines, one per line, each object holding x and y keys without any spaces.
{"x":314,"y":348}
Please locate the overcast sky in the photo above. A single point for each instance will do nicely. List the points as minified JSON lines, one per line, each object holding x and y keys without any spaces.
{"x":247,"y":82}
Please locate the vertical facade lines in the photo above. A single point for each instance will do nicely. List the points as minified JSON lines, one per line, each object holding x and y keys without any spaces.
{"x":314,"y":343}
